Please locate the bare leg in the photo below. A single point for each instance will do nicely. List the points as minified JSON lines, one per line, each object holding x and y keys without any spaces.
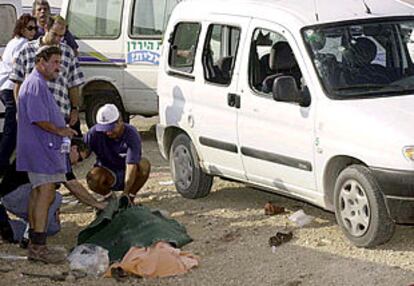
{"x":43,"y":199}
{"x":143,"y":172}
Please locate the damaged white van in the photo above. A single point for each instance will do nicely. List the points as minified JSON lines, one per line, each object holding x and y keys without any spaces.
{"x":311,"y":99}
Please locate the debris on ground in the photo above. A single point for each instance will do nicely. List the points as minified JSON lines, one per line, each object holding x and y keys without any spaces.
{"x":280,"y":237}
{"x":272,"y":209}
{"x":90,"y":259}
{"x":300,"y":218}
{"x":12,"y":257}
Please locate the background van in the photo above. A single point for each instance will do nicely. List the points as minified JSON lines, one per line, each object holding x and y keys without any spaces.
{"x":10,"y":10}
{"x":310,"y":99}
{"x":119,"y":49}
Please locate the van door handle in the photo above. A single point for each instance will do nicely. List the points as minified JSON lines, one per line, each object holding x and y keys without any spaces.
{"x":233,"y":100}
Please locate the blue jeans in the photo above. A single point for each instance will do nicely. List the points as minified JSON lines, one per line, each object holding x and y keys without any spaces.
{"x":8,"y":141}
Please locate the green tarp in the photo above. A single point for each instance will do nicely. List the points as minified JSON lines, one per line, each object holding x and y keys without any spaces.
{"x":117,"y":229}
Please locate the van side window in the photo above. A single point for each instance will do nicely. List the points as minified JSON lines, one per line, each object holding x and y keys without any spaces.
{"x":95,"y":19}
{"x":183,"y":46}
{"x":219,"y":54}
{"x":150,"y":17}
{"x":7,"y":22}
{"x":270,"y":57}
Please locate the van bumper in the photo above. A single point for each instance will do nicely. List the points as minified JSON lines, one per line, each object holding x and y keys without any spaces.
{"x":398,"y":189}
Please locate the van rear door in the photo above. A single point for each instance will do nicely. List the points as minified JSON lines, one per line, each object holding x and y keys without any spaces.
{"x":147,"y":21}
{"x":216,"y":102}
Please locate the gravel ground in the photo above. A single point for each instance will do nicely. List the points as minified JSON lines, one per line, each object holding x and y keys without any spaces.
{"x":231,"y":234}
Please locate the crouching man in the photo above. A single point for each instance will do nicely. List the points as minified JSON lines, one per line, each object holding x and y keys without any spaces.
{"x":117,"y":146}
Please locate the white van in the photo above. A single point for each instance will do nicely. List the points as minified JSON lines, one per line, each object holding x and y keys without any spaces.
{"x":10,"y":10}
{"x":311,"y":99}
{"x":119,"y":43}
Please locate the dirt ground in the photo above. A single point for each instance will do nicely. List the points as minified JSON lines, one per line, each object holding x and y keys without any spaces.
{"x":231,"y":234}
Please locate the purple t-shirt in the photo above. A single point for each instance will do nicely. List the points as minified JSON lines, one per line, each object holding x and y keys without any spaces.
{"x":38,"y":151}
{"x":115,"y":153}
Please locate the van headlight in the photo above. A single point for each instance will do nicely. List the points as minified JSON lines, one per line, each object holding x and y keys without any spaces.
{"x":409,"y":152}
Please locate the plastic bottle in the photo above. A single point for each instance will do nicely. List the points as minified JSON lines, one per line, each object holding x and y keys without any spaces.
{"x":65,"y":147}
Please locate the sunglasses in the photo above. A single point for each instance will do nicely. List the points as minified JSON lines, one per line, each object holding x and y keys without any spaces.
{"x":31,"y":28}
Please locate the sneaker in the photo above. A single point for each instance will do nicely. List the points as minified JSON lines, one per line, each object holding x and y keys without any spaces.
{"x":46,"y":254}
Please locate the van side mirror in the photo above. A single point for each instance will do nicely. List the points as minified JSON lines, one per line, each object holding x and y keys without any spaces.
{"x":285,"y":89}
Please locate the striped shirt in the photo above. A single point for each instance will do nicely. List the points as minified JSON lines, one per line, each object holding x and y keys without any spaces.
{"x":70,"y":74}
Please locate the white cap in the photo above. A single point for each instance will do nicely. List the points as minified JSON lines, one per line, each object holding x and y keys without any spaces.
{"x":106,"y":117}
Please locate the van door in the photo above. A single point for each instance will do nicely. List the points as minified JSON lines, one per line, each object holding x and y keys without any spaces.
{"x":9,"y":11}
{"x":276,"y":138}
{"x":145,"y":28}
{"x":215,"y":102}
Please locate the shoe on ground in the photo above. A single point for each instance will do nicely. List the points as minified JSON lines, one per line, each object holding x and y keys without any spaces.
{"x":49,"y":255}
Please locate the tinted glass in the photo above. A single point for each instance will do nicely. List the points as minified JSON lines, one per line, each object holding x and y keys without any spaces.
{"x":95,"y":18}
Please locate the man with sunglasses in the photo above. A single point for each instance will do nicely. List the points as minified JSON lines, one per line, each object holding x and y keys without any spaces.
{"x":15,"y":190}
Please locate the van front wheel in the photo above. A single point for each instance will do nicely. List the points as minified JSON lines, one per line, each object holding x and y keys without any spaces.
{"x":360,"y":208}
{"x":190,"y":180}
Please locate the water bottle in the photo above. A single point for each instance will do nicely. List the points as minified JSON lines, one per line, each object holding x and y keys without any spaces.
{"x":65,"y":148}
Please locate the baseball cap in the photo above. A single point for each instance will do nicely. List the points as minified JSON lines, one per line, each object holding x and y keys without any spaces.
{"x":106,"y":117}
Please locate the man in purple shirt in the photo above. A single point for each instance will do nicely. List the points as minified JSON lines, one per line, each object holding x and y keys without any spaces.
{"x":40,"y":132}
{"x":117,"y":146}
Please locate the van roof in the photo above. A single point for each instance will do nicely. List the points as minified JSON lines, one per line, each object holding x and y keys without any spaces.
{"x":306,"y":12}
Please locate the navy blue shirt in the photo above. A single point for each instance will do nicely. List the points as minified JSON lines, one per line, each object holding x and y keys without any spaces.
{"x":114,"y":154}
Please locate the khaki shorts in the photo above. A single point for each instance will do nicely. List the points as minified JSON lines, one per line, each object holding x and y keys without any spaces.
{"x":38,"y":179}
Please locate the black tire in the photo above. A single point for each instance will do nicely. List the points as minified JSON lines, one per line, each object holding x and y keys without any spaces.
{"x":360,"y":208}
{"x":190,"y":180}
{"x":94,"y":102}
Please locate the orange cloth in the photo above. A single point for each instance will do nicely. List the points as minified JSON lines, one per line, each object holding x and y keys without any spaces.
{"x":160,"y":260}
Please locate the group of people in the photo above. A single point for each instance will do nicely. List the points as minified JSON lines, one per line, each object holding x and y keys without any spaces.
{"x":39,"y":85}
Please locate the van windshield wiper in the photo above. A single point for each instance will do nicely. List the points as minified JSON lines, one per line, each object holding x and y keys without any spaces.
{"x":361,"y":86}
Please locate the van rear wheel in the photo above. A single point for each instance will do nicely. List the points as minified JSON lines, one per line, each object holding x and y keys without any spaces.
{"x":93,"y":103}
{"x":190,"y":180}
{"x":360,"y":208}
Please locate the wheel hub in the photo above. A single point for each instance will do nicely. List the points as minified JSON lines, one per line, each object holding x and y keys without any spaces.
{"x":354,"y":208}
{"x":182,"y":167}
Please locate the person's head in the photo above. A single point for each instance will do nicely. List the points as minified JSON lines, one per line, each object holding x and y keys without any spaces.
{"x":48,"y":61}
{"x":109,"y":121}
{"x":41,"y":10}
{"x":78,"y":151}
{"x":25,"y":27}
{"x":54,"y":30}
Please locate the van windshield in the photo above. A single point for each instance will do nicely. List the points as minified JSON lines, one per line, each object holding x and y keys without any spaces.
{"x":369,"y":59}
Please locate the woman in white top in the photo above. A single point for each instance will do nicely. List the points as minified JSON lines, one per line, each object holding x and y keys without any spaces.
{"x":24,"y":31}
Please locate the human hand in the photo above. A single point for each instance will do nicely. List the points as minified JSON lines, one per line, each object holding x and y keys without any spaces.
{"x":67,"y":132}
{"x":74,"y":117}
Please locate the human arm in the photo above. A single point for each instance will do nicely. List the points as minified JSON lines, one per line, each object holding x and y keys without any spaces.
{"x":16,"y":90}
{"x":74,"y":101}
{"x":51,"y":128}
{"x":79,"y":191}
